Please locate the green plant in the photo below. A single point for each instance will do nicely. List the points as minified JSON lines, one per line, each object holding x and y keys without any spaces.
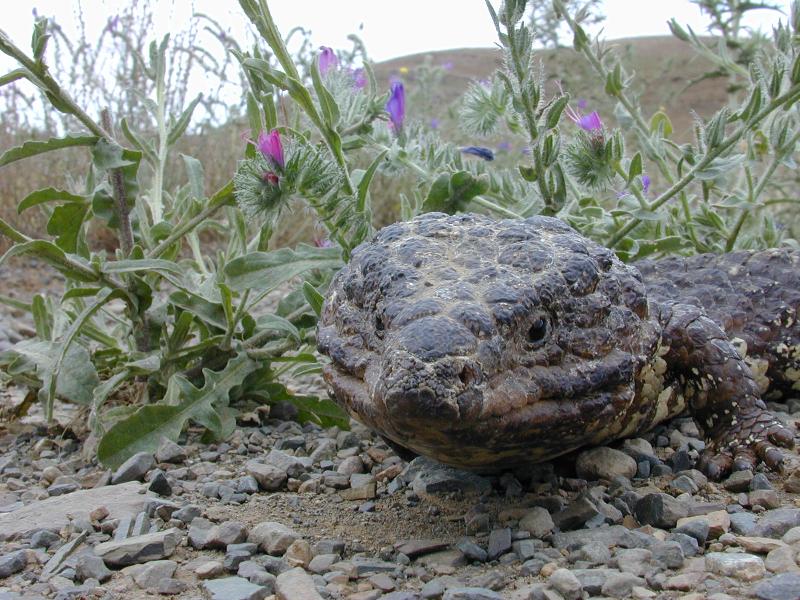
{"x":188,"y":337}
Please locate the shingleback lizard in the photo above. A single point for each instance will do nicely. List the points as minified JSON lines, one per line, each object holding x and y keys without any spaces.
{"x":486,"y":344}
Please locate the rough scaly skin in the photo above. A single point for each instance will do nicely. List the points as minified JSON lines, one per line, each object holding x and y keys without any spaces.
{"x":486,"y":344}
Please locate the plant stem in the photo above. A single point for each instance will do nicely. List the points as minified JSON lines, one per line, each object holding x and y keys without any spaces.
{"x":221,"y":198}
{"x":120,"y":197}
{"x":40,"y":76}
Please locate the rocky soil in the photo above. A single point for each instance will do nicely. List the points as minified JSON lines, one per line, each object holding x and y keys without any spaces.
{"x":296,"y":512}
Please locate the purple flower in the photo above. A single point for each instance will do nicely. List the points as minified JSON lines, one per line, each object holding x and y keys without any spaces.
{"x":323,"y":243}
{"x":447,"y":66}
{"x":359,"y":79}
{"x":582,"y":104}
{"x":504,"y":146}
{"x":645,"y":183}
{"x":479,"y":151}
{"x":434,"y":123}
{"x":396,"y":106}
{"x":269,"y":144}
{"x":590,"y":122}
{"x":327,"y":60}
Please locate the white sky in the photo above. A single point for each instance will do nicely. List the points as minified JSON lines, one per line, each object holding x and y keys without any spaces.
{"x":391,"y":28}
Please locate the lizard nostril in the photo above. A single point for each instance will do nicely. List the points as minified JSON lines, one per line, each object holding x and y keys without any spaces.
{"x":537,"y":331}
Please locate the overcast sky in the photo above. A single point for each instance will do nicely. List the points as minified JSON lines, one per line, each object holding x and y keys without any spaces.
{"x":389,"y":28}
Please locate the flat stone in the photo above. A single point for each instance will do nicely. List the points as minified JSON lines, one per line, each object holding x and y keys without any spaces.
{"x":364,"y":492}
{"x":758,"y":545}
{"x":445,"y":558}
{"x":659,"y":510}
{"x":471,"y":593}
{"x":296,"y":584}
{"x":792,"y":536}
{"x":604,"y":463}
{"x":120,"y":501}
{"x":133,"y":469}
{"x":685,"y":582}
{"x":766,"y":498}
{"x":13,"y":562}
{"x":149,"y":574}
{"x":746,"y":567}
{"x":140,"y":548}
{"x":61,"y":555}
{"x":471,"y":550}
{"x":592,"y":580}
{"x":718,"y":522}
{"x":414,"y":548}
{"x":256,"y":573}
{"x":614,"y":535}
{"x":780,"y":587}
{"x":269,"y":477}
{"x":430,"y":477}
{"x":235,"y":588}
{"x":273,"y":537}
{"x":365,"y":566}
{"x":171,"y":586}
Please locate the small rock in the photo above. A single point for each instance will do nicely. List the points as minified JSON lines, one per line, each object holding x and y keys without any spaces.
{"x":758,"y":545}
{"x":133,"y":469}
{"x":537,"y":522}
{"x":565,"y":583}
{"x":44,"y":538}
{"x":89,"y":566}
{"x":746,"y":567}
{"x":414,"y":548}
{"x":13,"y":562}
{"x":695,"y":527}
{"x":298,"y":554}
{"x":209,"y":570}
{"x":766,"y":498}
{"x":431,"y":477}
{"x":620,"y":585}
{"x":150,"y":574}
{"x":776,"y":522}
{"x":739,"y":481}
{"x":171,"y":586}
{"x":188,"y":513}
{"x":780,"y":587}
{"x":792,"y":482}
{"x":718,"y":521}
{"x":660,"y":510}
{"x":273,"y":538}
{"x":499,"y":542}
{"x":269,"y":477}
{"x":578,"y":513}
{"x":139,"y":549}
{"x":782,"y":560}
{"x":296,"y":584}
{"x":604,"y":463}
{"x":291,"y":465}
{"x":159,"y":484}
{"x":235,"y":588}
{"x":760,"y":482}
{"x":170,"y":452}
{"x":471,"y":593}
{"x":471,"y":550}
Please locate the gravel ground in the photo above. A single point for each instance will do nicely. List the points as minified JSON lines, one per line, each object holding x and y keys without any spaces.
{"x":298,"y":512}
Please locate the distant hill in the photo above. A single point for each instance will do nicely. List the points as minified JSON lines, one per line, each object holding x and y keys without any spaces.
{"x":663,"y":68}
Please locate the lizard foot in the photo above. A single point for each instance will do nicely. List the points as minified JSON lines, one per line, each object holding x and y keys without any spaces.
{"x":751,"y":438}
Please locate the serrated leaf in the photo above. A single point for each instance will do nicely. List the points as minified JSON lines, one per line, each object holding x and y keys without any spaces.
{"x":40,"y":147}
{"x":143,"y":431}
{"x":263,"y":271}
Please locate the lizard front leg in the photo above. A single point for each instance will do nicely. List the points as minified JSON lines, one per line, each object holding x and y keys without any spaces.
{"x":722,"y":394}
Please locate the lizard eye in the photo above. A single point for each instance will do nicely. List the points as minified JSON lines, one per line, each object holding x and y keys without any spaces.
{"x":537,"y":331}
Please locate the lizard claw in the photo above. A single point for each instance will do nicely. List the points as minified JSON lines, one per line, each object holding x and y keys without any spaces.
{"x":752,"y":438}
